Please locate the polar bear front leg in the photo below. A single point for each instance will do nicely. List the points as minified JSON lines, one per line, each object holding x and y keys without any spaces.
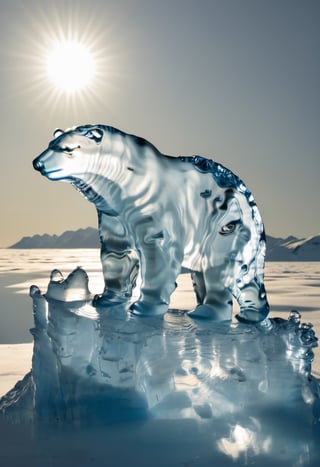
{"x":119,"y":262}
{"x":160,"y":265}
{"x":120,"y":270}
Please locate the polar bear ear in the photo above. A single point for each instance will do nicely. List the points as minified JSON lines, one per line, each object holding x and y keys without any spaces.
{"x":57,"y":133}
{"x":96,"y":134}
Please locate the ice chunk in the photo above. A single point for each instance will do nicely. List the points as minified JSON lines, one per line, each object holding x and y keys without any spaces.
{"x":209,"y":371}
{"x":75,"y":287}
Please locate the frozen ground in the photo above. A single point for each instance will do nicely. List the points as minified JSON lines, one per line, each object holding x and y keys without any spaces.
{"x":15,"y":362}
{"x":262,"y":411}
{"x":290,"y":286}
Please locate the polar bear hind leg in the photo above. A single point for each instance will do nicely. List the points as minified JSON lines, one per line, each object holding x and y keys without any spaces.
{"x":213,"y":298}
{"x":253,"y":302}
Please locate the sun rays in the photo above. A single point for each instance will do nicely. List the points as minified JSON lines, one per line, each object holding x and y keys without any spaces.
{"x":66,"y":60}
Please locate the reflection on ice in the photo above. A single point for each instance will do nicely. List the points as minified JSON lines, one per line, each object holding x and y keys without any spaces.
{"x":243,"y":440}
{"x":248,"y":389}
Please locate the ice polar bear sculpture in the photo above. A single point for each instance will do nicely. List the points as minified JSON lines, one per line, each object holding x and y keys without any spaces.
{"x":159,"y":213}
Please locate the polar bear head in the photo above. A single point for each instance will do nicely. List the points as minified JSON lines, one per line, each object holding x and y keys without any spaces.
{"x":73,"y":154}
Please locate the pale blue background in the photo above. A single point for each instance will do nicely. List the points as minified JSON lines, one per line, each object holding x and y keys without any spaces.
{"x":236,"y":80}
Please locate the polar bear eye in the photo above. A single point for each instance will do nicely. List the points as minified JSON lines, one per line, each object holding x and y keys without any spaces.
{"x":228,"y":228}
{"x":96,"y":134}
{"x":69,"y":149}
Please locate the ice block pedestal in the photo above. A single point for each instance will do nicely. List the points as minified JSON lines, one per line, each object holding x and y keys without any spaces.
{"x":249,"y":388}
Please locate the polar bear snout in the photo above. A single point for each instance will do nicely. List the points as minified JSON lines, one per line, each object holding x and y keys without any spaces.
{"x":37,"y":164}
{"x":47,"y":166}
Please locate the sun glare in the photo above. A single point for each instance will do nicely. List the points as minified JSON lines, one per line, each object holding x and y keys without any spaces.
{"x":70,"y":66}
{"x":68,"y":59}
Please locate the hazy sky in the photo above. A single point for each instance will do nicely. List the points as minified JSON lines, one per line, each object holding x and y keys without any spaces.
{"x":235,"y":80}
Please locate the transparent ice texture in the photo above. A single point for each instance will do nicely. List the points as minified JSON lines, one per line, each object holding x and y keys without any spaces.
{"x":237,"y":392}
{"x":158,"y":214}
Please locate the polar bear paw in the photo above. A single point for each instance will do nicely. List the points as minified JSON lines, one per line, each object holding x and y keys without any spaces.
{"x":214,"y":313}
{"x":109,"y":299}
{"x":140,"y":308}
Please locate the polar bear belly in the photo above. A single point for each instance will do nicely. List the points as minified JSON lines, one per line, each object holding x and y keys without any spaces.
{"x":196,"y":217}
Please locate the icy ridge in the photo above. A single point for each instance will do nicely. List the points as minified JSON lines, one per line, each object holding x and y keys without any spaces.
{"x":106,"y":363}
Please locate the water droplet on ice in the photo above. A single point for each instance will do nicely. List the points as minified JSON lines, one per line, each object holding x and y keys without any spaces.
{"x":34,"y":290}
{"x":56,"y":276}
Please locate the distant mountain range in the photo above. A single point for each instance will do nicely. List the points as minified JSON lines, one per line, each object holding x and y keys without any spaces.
{"x":293,"y":249}
{"x":278,"y":249}
{"x":82,"y":238}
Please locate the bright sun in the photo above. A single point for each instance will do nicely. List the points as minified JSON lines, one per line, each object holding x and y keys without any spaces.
{"x":71,"y":66}
{"x":69,"y":60}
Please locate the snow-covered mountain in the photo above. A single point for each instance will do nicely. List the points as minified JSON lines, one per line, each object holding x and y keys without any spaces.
{"x":278,"y":249}
{"x":293,"y":249}
{"x":82,"y":238}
